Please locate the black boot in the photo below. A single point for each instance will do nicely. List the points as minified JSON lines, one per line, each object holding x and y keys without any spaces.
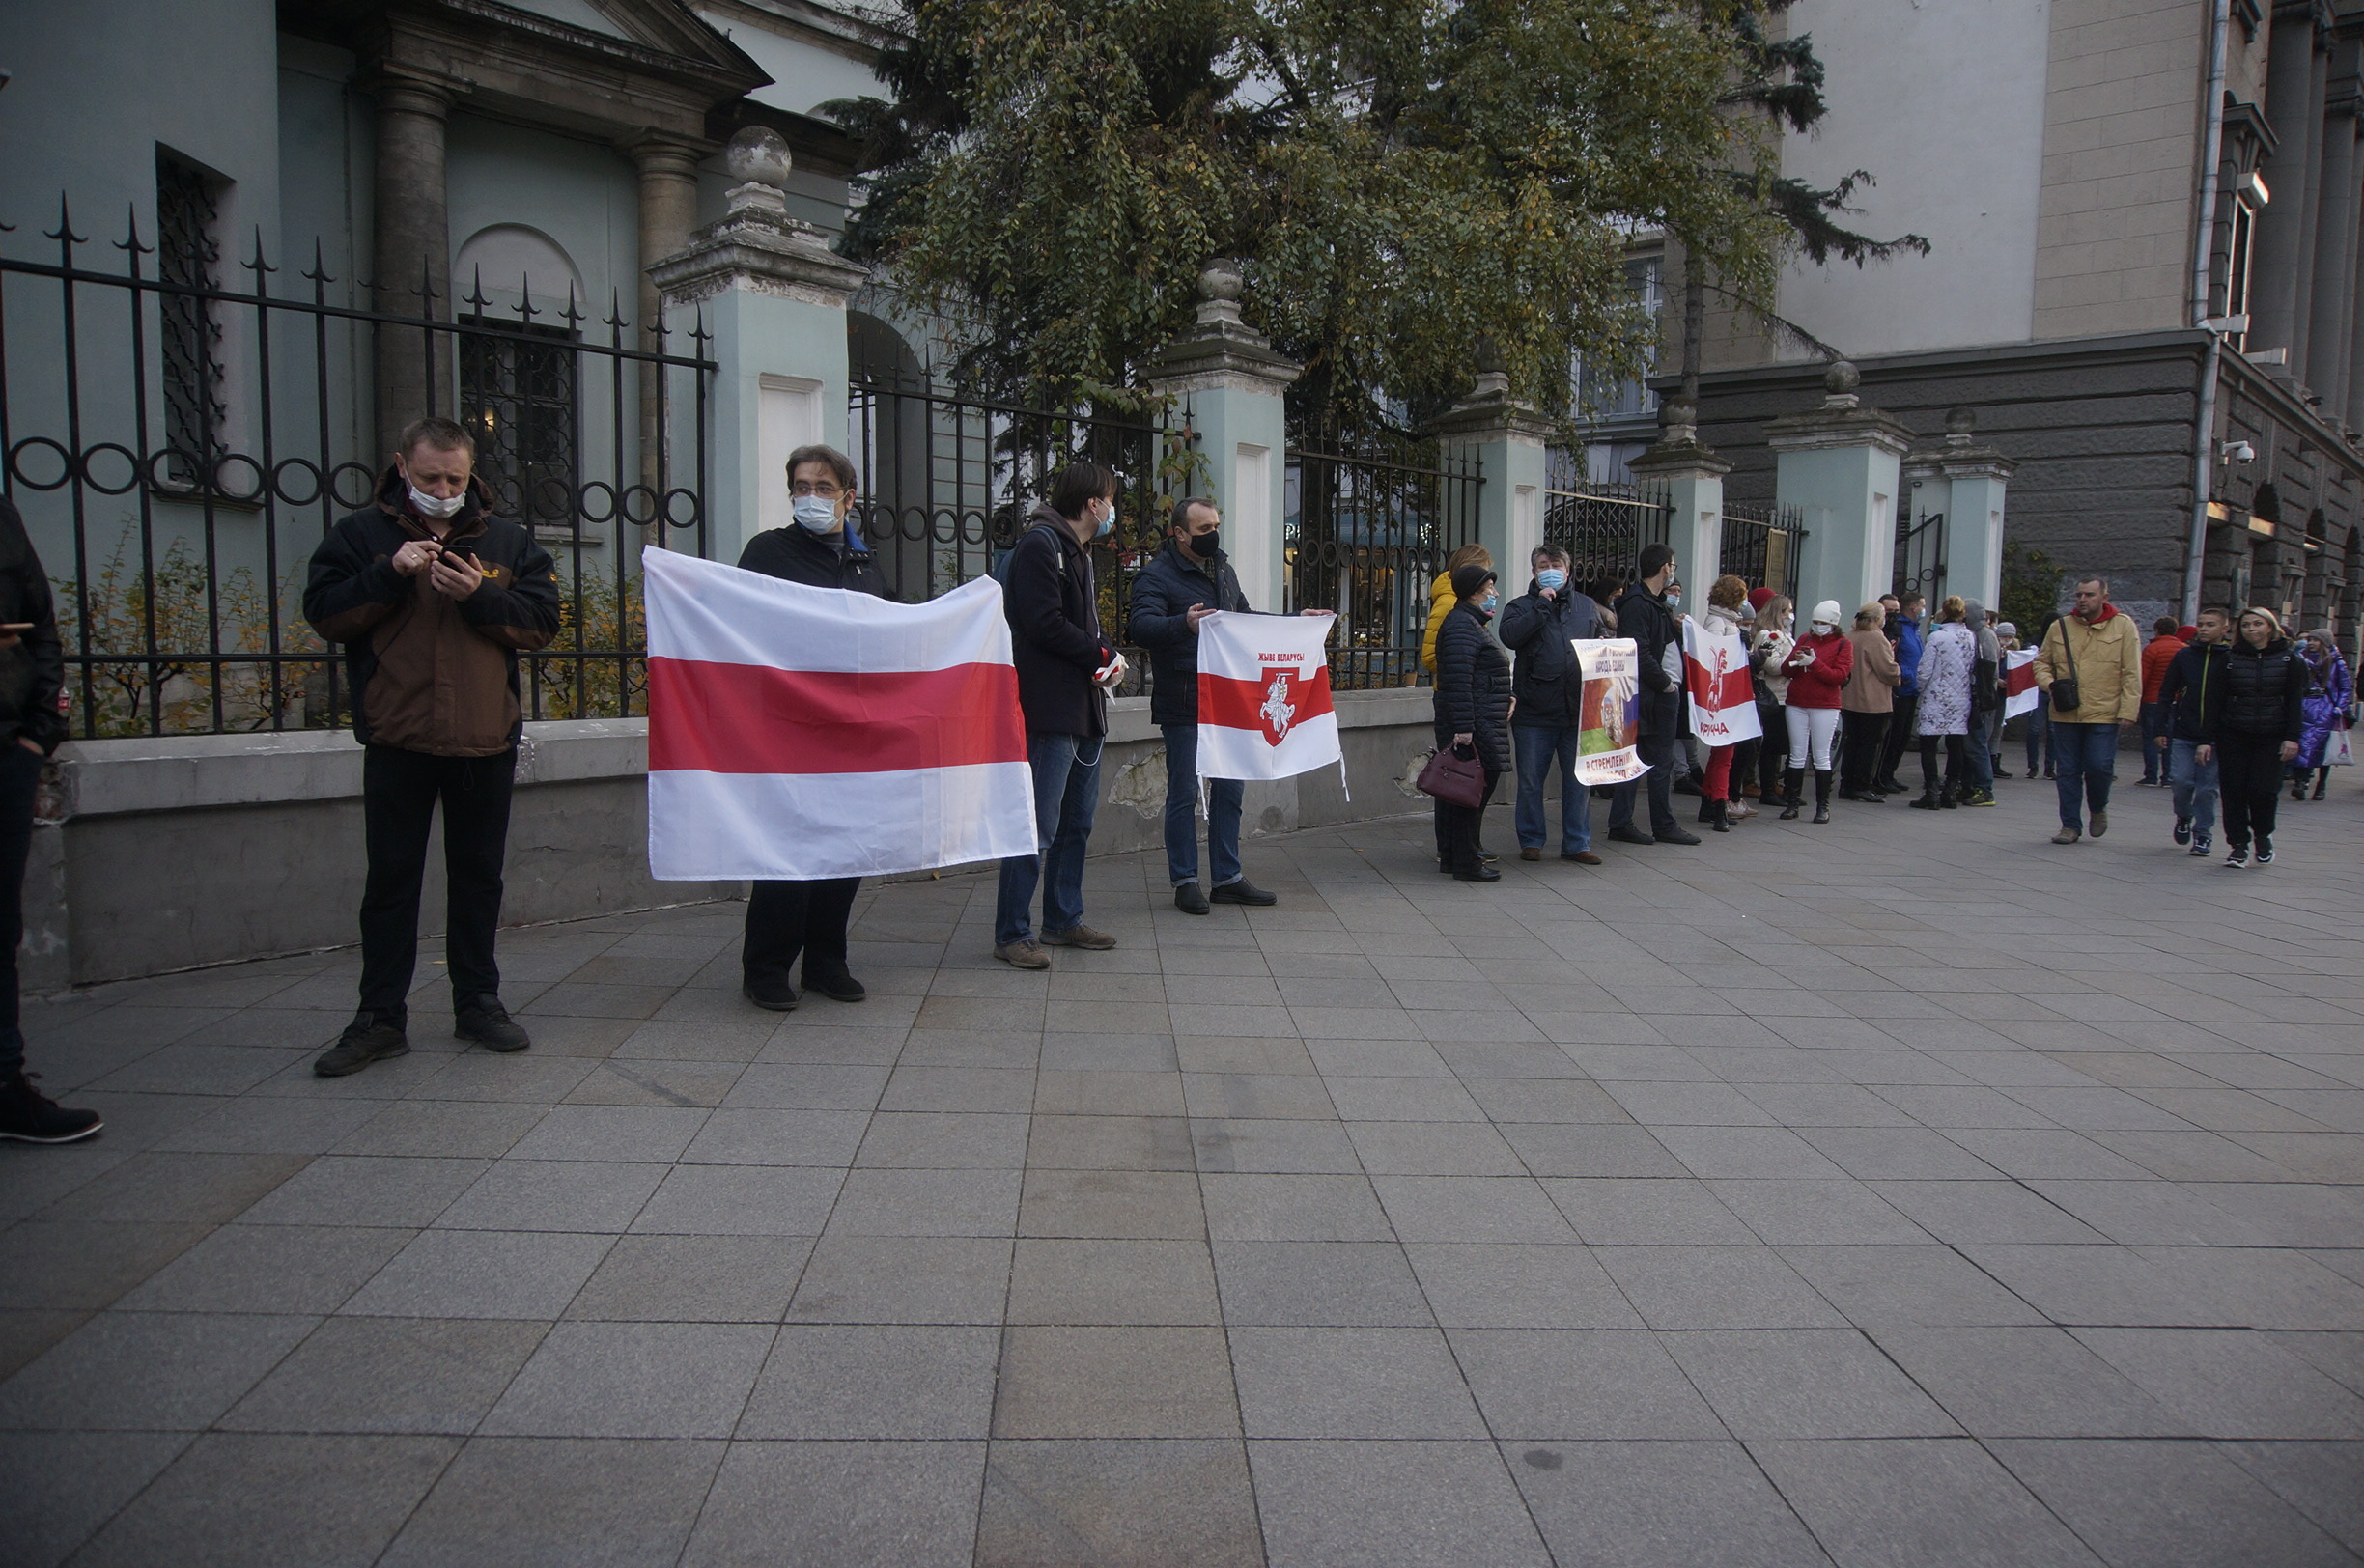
{"x":2323,"y":778}
{"x":2299,"y":787}
{"x":1721,"y":819}
{"x":1707,"y":810}
{"x":1926,"y":800}
{"x":1793,"y":791}
{"x":1823,"y":784}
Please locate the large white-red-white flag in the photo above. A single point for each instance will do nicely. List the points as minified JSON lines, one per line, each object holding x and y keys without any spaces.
{"x":799,"y":733}
{"x":2019,"y":693}
{"x":1264,"y":695}
{"x":1722,"y":693}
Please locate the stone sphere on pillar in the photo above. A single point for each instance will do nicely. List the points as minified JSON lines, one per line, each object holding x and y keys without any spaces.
{"x":758,"y":154}
{"x":1841,"y":378}
{"x":1221,"y":279}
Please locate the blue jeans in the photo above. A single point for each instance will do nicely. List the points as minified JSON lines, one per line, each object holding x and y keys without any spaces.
{"x":2154,"y":725}
{"x":1537,"y":748}
{"x":1067,"y":797}
{"x":2085,"y":758}
{"x":1981,"y":756}
{"x":2195,"y":785}
{"x":1224,"y":796}
{"x":2039,"y":735}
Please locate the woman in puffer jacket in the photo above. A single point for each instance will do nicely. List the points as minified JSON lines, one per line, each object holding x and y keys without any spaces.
{"x":1472,"y":715}
{"x":1948,"y":669}
{"x":2329,"y":690}
{"x":1767,"y":647}
{"x":1442,"y":599}
{"x":2254,"y":733}
{"x":1818,"y":668}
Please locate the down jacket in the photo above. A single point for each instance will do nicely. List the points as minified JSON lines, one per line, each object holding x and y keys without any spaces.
{"x":1473,"y":687}
{"x":1816,"y":684}
{"x":2265,"y":694}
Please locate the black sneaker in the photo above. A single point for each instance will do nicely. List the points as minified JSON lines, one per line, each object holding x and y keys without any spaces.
{"x":836,"y":982}
{"x":774,"y":996}
{"x":488,"y":1023}
{"x":1244,"y":892}
{"x":2238,"y":859}
{"x":2183,"y":830}
{"x":29,"y":1116}
{"x":368,"y":1038}
{"x":1189,"y":898}
{"x":2264,"y":851}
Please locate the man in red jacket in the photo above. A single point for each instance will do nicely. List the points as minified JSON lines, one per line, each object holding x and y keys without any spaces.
{"x":2166,"y":641}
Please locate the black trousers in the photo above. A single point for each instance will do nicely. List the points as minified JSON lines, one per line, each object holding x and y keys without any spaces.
{"x":1958,"y":761}
{"x":1457,"y":828}
{"x":788,"y":918}
{"x":1900,"y":735}
{"x":20,"y":773}
{"x":2249,"y":772}
{"x":398,"y":793}
{"x":1866,"y":742}
{"x":1773,"y":751}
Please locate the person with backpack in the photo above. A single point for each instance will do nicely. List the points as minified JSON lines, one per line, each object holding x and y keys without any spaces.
{"x":2252,"y":735}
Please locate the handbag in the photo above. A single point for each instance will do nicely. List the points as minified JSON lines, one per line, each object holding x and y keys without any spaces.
{"x":1453,"y":778}
{"x":2065,"y":687}
{"x":2338,"y":751}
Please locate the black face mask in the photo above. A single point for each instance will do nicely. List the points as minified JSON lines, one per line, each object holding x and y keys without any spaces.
{"x":1203,"y":545}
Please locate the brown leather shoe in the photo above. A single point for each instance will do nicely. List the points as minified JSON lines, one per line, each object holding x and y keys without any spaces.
{"x":1023,"y":956}
{"x":1526,"y":854}
{"x":1081,"y":935}
{"x":1583,"y":857}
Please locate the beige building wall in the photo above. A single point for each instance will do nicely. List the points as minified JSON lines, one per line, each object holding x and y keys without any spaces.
{"x":2121,"y":152}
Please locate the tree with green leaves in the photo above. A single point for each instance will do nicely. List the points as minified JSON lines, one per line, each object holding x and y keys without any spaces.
{"x":1396,"y":180}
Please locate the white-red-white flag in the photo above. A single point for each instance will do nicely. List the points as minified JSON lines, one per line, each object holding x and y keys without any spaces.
{"x":2019,"y":693}
{"x":799,"y":733}
{"x":1722,"y":693}
{"x":1264,"y":696}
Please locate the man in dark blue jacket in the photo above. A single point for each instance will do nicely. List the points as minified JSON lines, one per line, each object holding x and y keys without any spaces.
{"x":1065,"y":667}
{"x":1548,"y":694}
{"x":1907,"y":699}
{"x":2188,"y":696}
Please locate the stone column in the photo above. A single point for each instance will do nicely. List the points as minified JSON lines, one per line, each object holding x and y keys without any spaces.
{"x":1695,"y":476}
{"x":2273,"y":293}
{"x":1966,"y":482}
{"x":2310,"y":212}
{"x":1508,"y":441}
{"x":2335,"y":243}
{"x":1234,"y":384}
{"x":773,"y":299}
{"x":669,"y":211}
{"x":1838,"y":465}
{"x":413,"y":255}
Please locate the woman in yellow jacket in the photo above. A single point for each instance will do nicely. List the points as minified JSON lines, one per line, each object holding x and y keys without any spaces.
{"x":1441,"y":599}
{"x":2096,"y":646}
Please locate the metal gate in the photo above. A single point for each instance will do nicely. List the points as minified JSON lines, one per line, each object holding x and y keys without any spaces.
{"x":179,"y":446}
{"x":1365,"y":534}
{"x":1921,"y":554}
{"x":1762,"y":544}
{"x":1602,"y":526}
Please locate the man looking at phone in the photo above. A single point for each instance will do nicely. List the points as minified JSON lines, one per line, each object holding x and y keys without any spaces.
{"x":434,"y":597}
{"x":32,"y":671}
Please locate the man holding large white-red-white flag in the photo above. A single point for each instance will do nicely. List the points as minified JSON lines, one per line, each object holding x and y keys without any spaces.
{"x":806,"y":731}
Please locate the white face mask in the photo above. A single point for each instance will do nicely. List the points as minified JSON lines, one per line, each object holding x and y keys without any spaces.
{"x":813,"y":512}
{"x":431,"y":506}
{"x":1824,"y":627}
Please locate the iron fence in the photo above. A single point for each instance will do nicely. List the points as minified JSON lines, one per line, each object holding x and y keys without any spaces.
{"x":179,"y":446}
{"x":1365,"y":534}
{"x":1603,"y":526}
{"x":947,"y":481}
{"x":1921,"y":553}
{"x":1761,"y":543}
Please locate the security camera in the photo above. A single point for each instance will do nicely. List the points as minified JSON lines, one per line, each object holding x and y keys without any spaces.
{"x":2239,"y":452}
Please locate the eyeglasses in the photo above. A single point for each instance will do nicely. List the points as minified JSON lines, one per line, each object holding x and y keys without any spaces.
{"x":824,"y":489}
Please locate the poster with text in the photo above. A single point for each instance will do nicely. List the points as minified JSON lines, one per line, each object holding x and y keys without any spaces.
{"x":1609,"y":725}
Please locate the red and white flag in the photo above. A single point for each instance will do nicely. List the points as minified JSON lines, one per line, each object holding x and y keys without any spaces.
{"x":2019,"y":693}
{"x":1723,"y":694}
{"x":798,"y":733}
{"x":1264,"y":696}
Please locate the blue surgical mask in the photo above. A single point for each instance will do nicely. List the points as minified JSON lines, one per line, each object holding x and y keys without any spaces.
{"x":1552,"y":578}
{"x":813,"y":512}
{"x":1488,"y":603}
{"x":1674,"y":602}
{"x":1108,"y":524}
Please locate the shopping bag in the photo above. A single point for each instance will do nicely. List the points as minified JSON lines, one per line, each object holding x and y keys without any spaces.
{"x":2338,"y":752}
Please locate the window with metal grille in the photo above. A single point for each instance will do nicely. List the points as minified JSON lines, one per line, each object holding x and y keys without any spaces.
{"x":520,"y":400}
{"x":188,"y":252}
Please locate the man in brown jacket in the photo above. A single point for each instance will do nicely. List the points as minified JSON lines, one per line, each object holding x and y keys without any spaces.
{"x":2096,"y":646}
{"x":434,"y":597}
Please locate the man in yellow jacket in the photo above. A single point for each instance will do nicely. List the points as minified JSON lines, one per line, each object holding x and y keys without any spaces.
{"x":2096,"y":647}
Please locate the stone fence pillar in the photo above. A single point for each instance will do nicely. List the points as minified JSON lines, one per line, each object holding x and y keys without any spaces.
{"x":1695,"y":480}
{"x":1508,"y":440}
{"x":1966,"y":480}
{"x":1838,"y":465}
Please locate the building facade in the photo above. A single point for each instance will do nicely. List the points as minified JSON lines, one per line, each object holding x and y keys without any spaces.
{"x":2142,"y":281}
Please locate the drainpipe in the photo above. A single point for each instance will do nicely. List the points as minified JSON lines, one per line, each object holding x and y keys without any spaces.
{"x":2203,"y":249}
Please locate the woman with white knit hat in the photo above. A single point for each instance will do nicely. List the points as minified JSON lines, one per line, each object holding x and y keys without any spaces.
{"x":1818,"y":668}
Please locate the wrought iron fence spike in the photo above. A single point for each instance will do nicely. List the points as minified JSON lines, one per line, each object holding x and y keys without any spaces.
{"x":525,"y":306}
{"x":476,"y":294}
{"x":131,"y":242}
{"x":64,"y":233}
{"x":573,"y":317}
{"x":318,"y":273}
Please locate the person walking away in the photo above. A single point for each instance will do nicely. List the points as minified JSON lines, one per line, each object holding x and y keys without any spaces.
{"x":2007,"y":637}
{"x":2254,"y":734}
{"x":2093,"y":646}
{"x":1818,"y":667}
{"x":1473,"y":714}
{"x":32,"y":675}
{"x":1869,"y":701}
{"x":1767,"y":647}
{"x":1644,"y":614}
{"x":2156,"y":655}
{"x":1910,"y":632}
{"x":1948,"y":669}
{"x":2191,"y":689}
{"x":820,"y":547}
{"x":1985,"y":701}
{"x":1441,"y":599}
{"x":1547,"y":687}
{"x":1726,"y":615}
{"x":1065,"y":671}
{"x":1183,"y":584}
{"x":2329,"y":690}
{"x":433,"y":598}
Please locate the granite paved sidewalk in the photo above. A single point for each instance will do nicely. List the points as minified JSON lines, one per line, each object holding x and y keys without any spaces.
{"x":1902,"y":1192}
